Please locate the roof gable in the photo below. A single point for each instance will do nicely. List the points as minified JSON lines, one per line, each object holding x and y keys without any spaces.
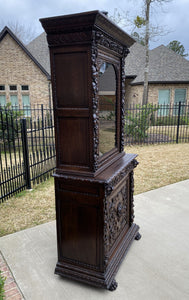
{"x":6,"y":31}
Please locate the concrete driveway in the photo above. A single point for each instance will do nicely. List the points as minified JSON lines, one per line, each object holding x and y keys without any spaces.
{"x":155,"y":268}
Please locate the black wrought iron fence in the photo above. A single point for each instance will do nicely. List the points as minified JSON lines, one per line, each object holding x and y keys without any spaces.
{"x":151,"y":124}
{"x":27,"y":148}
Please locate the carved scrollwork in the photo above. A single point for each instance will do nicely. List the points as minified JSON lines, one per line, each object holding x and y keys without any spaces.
{"x":94,"y":55}
{"x":110,"y":44}
{"x":125,"y":53}
{"x":108,"y":189}
{"x":112,"y":182}
{"x":115,"y":212}
{"x":135,"y":163}
{"x":119,"y":210}
{"x":132,"y":216}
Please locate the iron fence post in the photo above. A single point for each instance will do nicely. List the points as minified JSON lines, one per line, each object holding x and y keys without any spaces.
{"x":25,"y":153}
{"x":42,"y":125}
{"x":178,"y":121}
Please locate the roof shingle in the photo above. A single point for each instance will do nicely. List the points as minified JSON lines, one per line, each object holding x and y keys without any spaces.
{"x":39,"y":49}
{"x":164,"y":65}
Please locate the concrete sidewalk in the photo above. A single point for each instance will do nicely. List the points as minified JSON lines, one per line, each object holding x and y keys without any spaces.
{"x":156,"y":267}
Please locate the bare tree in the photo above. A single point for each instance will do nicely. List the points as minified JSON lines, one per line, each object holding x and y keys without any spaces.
{"x":147,"y":32}
{"x":146,"y":23}
{"x":23,"y":32}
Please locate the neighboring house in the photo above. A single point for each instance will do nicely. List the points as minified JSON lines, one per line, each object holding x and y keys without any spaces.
{"x":24,"y":81}
{"x":25,"y":74}
{"x":168,"y":76}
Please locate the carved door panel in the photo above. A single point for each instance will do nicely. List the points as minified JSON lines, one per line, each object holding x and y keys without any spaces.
{"x":117,"y":215}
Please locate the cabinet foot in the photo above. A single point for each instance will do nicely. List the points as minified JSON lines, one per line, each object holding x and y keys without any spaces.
{"x":113,"y":286}
{"x":138,"y":236}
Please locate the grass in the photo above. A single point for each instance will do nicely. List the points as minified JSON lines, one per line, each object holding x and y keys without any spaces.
{"x":28,"y":208}
{"x":159,"y":165}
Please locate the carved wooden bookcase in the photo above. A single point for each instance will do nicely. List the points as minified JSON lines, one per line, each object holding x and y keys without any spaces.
{"x":94,"y":177}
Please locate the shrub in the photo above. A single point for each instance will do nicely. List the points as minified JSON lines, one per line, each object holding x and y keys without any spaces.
{"x":185,"y":120}
{"x":138,"y":122}
{"x":9,"y":123}
{"x":170,"y":121}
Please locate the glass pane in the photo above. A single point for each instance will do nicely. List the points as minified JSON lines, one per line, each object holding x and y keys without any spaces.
{"x":13,"y":87}
{"x":180,"y":96}
{"x":25,"y":87}
{"x":107,"y":108}
{"x":14,"y":102}
{"x":26,"y":105}
{"x":164,"y":101}
{"x":2,"y":100}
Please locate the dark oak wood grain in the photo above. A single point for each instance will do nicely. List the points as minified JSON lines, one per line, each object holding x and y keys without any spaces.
{"x":94,"y":193}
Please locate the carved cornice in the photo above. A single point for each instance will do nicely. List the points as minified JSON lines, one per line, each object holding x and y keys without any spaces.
{"x":110,"y":44}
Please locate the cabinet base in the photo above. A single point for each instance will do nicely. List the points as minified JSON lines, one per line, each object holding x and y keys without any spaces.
{"x":98,"y":278}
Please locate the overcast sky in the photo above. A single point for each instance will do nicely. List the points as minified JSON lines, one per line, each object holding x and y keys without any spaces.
{"x":173,"y":16}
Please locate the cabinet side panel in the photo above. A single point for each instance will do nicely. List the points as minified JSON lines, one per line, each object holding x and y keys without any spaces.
{"x":78,"y":229}
{"x":71,"y":78}
{"x":73,"y":146}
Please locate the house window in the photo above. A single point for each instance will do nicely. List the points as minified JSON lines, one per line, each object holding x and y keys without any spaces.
{"x":12,"y":87}
{"x":26,"y":105}
{"x":14,"y":102}
{"x":2,"y":88}
{"x":25,"y":87}
{"x":180,"y":96}
{"x":2,"y":100}
{"x":163,"y":101}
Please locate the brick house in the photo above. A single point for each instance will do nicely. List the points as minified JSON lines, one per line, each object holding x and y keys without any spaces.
{"x":25,"y":74}
{"x":23,"y":80}
{"x":168,"y":76}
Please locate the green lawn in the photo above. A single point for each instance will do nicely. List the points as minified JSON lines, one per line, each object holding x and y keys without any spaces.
{"x":159,"y":165}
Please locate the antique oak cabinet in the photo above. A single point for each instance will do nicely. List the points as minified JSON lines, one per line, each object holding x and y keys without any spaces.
{"x":94,"y":177}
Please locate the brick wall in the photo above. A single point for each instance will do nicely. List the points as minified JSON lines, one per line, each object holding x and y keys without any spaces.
{"x":17,"y":68}
{"x":133,"y":94}
{"x":154,"y":88}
